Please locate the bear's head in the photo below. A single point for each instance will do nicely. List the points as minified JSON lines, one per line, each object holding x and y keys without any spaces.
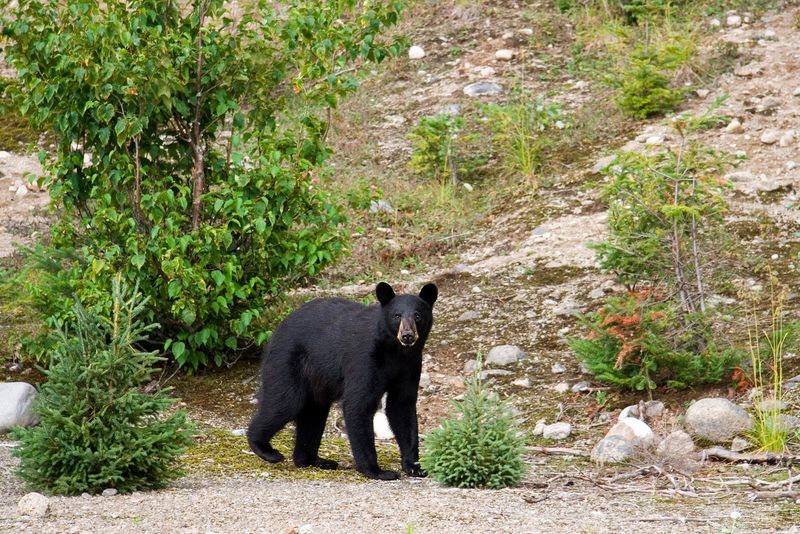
{"x":407,"y":317}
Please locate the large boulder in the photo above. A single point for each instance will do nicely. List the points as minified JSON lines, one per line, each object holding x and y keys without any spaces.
{"x":625,"y":439}
{"x":612,"y":449}
{"x":33,"y":505}
{"x":16,"y":405}
{"x":716,"y":419}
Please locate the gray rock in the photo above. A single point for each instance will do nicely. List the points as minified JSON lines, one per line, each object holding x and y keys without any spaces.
{"x":539,"y":428}
{"x":772,"y":405}
{"x":676,"y":444}
{"x":561,"y":387}
{"x":768,"y":105}
{"x":483,"y":89}
{"x":239,"y":432}
{"x":16,"y":405}
{"x":740,"y":444}
{"x":734,"y":127}
{"x":597,"y":293}
{"x":522,"y":382}
{"x":733,"y":21}
{"x":416,"y":52}
{"x":424,"y":380}
{"x":582,"y":386}
{"x":603,"y":163}
{"x":376,"y":206}
{"x":636,"y":432}
{"x":770,"y":137}
{"x":741,"y":176}
{"x":787,"y":139}
{"x":558,"y":368}
{"x":109,"y":492}
{"x":716,"y":419}
{"x":557,"y":431}
{"x":33,"y":505}
{"x":305,"y":529}
{"x":567,"y":308}
{"x":470,"y":366}
{"x":469,"y":315}
{"x":653,"y":408}
{"x":505,"y":355}
{"x":613,"y":449}
{"x":504,"y":54}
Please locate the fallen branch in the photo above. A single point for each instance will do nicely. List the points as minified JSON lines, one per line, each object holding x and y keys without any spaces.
{"x":559,"y":450}
{"x":755,"y":458}
{"x":677,"y":518}
{"x":764,"y":495}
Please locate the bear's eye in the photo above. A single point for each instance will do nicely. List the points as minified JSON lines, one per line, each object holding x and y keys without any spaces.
{"x":417,"y":316}
{"x":396,"y":315}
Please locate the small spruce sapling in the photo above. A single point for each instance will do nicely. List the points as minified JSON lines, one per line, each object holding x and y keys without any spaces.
{"x":97,"y":428}
{"x":479,"y":445}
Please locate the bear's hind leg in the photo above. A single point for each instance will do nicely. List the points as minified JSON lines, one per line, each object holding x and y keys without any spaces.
{"x":274,"y":412}
{"x":308,"y":436}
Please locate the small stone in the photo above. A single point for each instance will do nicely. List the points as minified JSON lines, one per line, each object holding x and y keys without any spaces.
{"x":561,"y":387}
{"x":507,"y":35}
{"x":634,"y":431}
{"x":424,"y":380}
{"x":733,"y":21}
{"x":597,"y":293}
{"x":539,"y":428}
{"x":734,"y":127}
{"x":567,"y":308}
{"x":487,"y":71}
{"x":380,"y":205}
{"x":787,"y":139}
{"x":790,"y":165}
{"x":305,"y":529}
{"x":558,"y":368}
{"x":582,"y":386}
{"x":494,"y":372}
{"x":702,"y":93}
{"x":505,"y":355}
{"x":4,"y":154}
{"x":740,"y":444}
{"x":654,"y":140}
{"x":770,"y":137}
{"x":796,"y":91}
{"x":522,"y":383}
{"x":239,"y":432}
{"x":611,"y":449}
{"x":716,"y":419}
{"x":768,"y":105}
{"x":470,"y":366}
{"x":740,"y":176}
{"x":416,"y":52}
{"x":676,"y":444}
{"x":476,"y":289}
{"x":557,"y":431}
{"x":483,"y":89}
{"x":16,"y":405}
{"x":469,"y":315}
{"x":603,"y":163}
{"x":715,"y":23}
{"x":772,"y":405}
{"x":109,"y":492}
{"x":504,"y":54}
{"x":526,"y":31}
{"x":33,"y":505}
{"x":21,"y":191}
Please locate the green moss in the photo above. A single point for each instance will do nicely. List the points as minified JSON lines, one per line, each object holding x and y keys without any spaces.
{"x":219,"y":453}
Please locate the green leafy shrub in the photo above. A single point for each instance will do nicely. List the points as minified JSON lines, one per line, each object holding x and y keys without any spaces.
{"x":636,"y":342}
{"x":520,"y":132}
{"x":97,"y":428}
{"x":202,"y":182}
{"x":478,"y":446}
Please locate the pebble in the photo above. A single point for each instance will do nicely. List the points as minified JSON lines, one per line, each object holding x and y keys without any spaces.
{"x":522,"y":383}
{"x":424,"y":380}
{"x":239,"y":432}
{"x":733,"y":21}
{"x":504,"y":54}
{"x":612,"y":449}
{"x":770,"y":137}
{"x":469,"y":315}
{"x":559,"y":430}
{"x":476,"y":289}
{"x":787,"y":139}
{"x":561,"y":387}
{"x":715,"y":23}
{"x":676,"y":444}
{"x":734,"y":127}
{"x":109,"y":492}
{"x":654,"y":140}
{"x":603,"y":163}
{"x":487,"y":71}
{"x":796,"y":91}
{"x":505,"y":355}
{"x":483,"y":89}
{"x":33,"y":504}
{"x":702,"y":93}
{"x":582,"y":386}
{"x":790,"y":165}
{"x":558,"y":368}
{"x":526,"y":31}
{"x":416,"y":52}
{"x":539,"y":428}
{"x":740,"y":444}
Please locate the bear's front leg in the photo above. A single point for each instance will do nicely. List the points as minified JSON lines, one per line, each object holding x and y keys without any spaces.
{"x":358,"y":418}
{"x":401,"y":410}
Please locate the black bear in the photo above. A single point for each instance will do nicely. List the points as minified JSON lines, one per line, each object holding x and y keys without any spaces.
{"x":331,"y":349}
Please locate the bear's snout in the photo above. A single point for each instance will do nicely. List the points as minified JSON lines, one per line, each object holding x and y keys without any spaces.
{"x":407,"y":332}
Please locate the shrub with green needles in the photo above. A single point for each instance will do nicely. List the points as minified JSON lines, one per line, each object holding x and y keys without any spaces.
{"x":478,"y":446}
{"x":98,"y":428}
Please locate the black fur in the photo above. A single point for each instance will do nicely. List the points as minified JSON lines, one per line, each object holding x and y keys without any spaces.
{"x":331,"y":349}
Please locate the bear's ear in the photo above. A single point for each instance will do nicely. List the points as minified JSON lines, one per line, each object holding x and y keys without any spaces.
{"x":428,"y":293}
{"x":384,"y":292}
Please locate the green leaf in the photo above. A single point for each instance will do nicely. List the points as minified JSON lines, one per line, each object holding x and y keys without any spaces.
{"x":138,"y":261}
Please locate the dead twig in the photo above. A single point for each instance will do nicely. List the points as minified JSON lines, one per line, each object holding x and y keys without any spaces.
{"x":558,"y":451}
{"x":755,"y":458}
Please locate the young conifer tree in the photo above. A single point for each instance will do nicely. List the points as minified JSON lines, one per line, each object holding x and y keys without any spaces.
{"x":479,"y":445}
{"x":97,"y":428}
